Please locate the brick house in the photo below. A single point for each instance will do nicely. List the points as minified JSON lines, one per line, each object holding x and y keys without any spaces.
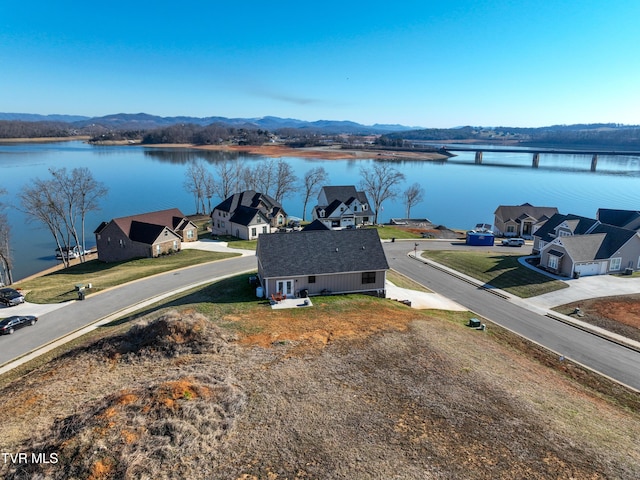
{"x":145,"y":235}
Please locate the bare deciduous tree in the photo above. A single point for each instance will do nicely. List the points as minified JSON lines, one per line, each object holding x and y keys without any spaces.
{"x":380,"y":182}
{"x":60,"y":202}
{"x":413,"y":196}
{"x":6,"y":264}
{"x":228,"y":173}
{"x":195,"y":183}
{"x":286,"y":181}
{"x":313,"y":179}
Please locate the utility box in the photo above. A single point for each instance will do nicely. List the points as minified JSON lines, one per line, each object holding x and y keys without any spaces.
{"x":473,"y":322}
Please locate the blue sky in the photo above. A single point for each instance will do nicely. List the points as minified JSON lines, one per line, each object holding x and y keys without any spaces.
{"x":419,"y":63}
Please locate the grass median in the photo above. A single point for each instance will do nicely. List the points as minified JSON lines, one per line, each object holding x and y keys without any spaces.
{"x":59,"y":286}
{"x":499,"y":270}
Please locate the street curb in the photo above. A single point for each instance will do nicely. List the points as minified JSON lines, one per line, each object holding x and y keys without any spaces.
{"x":47,"y":347}
{"x":623,"y":342}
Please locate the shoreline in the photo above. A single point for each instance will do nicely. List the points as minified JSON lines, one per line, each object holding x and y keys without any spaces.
{"x":325,"y":153}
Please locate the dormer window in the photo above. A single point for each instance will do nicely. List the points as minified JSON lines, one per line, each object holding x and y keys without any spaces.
{"x":364,"y":207}
{"x":322,"y":213}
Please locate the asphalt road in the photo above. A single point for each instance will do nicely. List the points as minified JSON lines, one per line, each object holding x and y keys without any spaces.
{"x":76,"y":315}
{"x":604,"y":356}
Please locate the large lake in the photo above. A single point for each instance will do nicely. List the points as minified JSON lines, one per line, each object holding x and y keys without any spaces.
{"x":459,"y":193}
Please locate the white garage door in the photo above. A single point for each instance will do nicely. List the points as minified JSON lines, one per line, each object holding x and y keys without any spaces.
{"x":591,"y":268}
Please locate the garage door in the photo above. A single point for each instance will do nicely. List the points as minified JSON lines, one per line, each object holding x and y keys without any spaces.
{"x":591,"y":268}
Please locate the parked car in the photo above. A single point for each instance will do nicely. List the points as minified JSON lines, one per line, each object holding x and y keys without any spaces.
{"x":11,"y":324}
{"x":513,"y":242}
{"x":10,"y":297}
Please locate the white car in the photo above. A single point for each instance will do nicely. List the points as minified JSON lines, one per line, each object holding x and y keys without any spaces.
{"x":513,"y":242}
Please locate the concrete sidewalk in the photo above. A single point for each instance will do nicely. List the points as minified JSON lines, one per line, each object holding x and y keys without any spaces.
{"x":422,"y":300}
{"x":211,"y":245}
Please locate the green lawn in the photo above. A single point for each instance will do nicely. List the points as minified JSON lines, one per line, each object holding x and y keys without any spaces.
{"x":59,"y":286}
{"x":387,"y":232}
{"x":235,"y":242}
{"x":500,"y":270}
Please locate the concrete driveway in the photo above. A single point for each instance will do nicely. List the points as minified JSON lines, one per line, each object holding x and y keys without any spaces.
{"x":584,"y":288}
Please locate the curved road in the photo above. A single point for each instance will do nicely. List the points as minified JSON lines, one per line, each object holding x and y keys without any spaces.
{"x":609,"y":358}
{"x":76,"y":315}
{"x":616,"y":361}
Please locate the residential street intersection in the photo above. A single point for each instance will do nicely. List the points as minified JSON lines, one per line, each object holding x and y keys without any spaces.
{"x":619,"y":360}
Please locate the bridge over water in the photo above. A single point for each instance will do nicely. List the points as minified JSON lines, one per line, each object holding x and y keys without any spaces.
{"x":536,"y":152}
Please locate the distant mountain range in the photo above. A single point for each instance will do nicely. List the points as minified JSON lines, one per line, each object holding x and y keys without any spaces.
{"x":144,"y":121}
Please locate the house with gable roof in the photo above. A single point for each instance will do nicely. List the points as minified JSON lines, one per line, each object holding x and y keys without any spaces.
{"x":342,"y":206}
{"x":629,"y":219}
{"x":246,"y":215}
{"x":322,"y":262}
{"x":144,"y":235}
{"x":520,"y":220}
{"x":572,"y":245}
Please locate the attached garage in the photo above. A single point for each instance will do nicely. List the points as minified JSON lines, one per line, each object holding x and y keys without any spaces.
{"x":591,"y":268}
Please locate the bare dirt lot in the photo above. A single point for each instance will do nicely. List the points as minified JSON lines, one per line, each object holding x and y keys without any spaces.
{"x":620,"y":314}
{"x":352,"y":388}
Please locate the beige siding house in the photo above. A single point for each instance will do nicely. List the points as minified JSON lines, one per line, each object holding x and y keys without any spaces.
{"x":520,"y":220}
{"x":321,"y":262}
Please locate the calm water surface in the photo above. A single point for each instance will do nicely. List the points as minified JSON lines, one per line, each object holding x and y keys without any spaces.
{"x":459,"y":193}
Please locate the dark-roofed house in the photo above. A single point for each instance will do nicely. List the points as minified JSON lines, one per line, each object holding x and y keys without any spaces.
{"x":629,"y":219}
{"x":603,"y":249}
{"x":246,"y":215}
{"x":520,"y":220}
{"x":315,"y":225}
{"x":322,"y":262}
{"x":560,"y":225}
{"x":145,"y":235}
{"x":342,"y":206}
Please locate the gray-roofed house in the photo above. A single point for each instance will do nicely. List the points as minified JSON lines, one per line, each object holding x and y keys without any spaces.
{"x":322,"y":262}
{"x":144,"y":235}
{"x":520,"y":220}
{"x":342,"y":206}
{"x":602,"y":249}
{"x":246,"y":215}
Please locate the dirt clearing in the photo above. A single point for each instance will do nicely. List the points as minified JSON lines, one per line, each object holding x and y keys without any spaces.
{"x":355,"y":387}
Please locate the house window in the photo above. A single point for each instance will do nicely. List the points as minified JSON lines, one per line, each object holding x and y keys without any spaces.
{"x":615,"y":264}
{"x":511,"y":229}
{"x":253,"y":232}
{"x":121,"y":243}
{"x":264,"y":229}
{"x":368,"y":277}
{"x":222,"y":224}
{"x":312,"y":278}
{"x":364,"y":207}
{"x":552,"y":262}
{"x":158,"y":249}
{"x":190,"y":234}
{"x":98,"y":236}
{"x":175,"y":245}
{"x":355,"y":208}
{"x":564,"y":233}
{"x":322,"y":213}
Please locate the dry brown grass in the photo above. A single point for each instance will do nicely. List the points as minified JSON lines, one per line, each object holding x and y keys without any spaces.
{"x":351,"y":388}
{"x":620,"y":314}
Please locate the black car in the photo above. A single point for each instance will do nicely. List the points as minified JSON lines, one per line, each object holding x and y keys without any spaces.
{"x":10,"y":297}
{"x":11,"y":324}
